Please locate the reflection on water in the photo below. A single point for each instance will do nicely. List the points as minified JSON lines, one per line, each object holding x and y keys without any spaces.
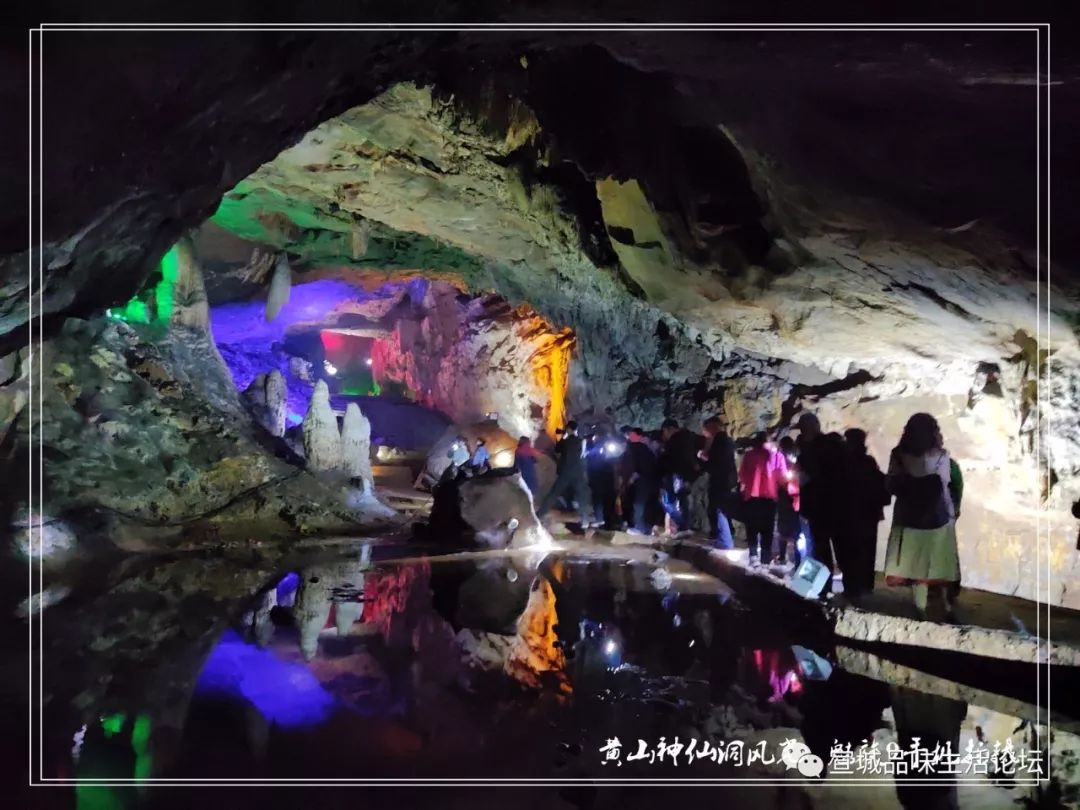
{"x":481,"y":666}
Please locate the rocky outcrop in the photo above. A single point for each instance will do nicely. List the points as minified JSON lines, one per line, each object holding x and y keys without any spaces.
{"x":494,"y":511}
{"x":322,"y":441}
{"x":356,"y":446}
{"x":190,"y":306}
{"x":149,"y":444}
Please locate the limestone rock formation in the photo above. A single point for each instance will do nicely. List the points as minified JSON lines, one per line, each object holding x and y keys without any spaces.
{"x":147,"y":436}
{"x":494,"y":511}
{"x":356,"y":446}
{"x":280,"y":284}
{"x":276,"y":403}
{"x":190,"y":307}
{"x":312,"y":610}
{"x":500,"y":444}
{"x":322,"y":441}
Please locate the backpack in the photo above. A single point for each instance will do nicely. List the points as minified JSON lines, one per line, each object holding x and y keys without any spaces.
{"x":920,"y":502}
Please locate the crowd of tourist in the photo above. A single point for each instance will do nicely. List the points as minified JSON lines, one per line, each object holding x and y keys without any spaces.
{"x":815,"y":494}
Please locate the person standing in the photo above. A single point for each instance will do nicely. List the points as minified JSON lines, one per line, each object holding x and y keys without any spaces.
{"x":820,"y":464}
{"x":922,"y":541}
{"x":789,"y":523}
{"x":679,"y":468}
{"x":525,"y":461}
{"x":865,"y":499}
{"x":571,"y":477}
{"x":641,"y":481}
{"x":719,"y":460}
{"x":481,"y":458}
{"x":761,"y":475}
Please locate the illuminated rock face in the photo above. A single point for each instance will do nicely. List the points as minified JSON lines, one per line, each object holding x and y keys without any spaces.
{"x":356,"y":445}
{"x":696,"y":274}
{"x":479,"y":356}
{"x":783,"y":306}
{"x":322,"y":441}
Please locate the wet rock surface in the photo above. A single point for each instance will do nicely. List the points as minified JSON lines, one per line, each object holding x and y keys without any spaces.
{"x":146,"y":436}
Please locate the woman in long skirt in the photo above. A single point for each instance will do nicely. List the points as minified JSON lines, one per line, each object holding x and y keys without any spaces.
{"x":922,"y":542}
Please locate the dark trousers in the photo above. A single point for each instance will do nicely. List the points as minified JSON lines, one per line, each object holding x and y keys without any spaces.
{"x":760,"y":520}
{"x":573,"y":488}
{"x":823,"y":532}
{"x":677,"y":502}
{"x":856,"y":546}
{"x":720,"y":501}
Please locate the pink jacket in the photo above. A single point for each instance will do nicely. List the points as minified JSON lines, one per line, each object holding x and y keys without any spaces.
{"x":762,"y":472}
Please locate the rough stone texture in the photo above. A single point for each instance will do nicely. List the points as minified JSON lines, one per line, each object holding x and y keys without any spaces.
{"x":477,"y":356}
{"x":853,"y":312}
{"x":500,"y":444}
{"x":147,"y":441}
{"x":280,"y":284}
{"x":190,"y":305}
{"x":276,"y":404}
{"x":322,"y":441}
{"x":705,"y":253}
{"x":481,"y":510}
{"x":356,"y":445}
{"x":876,"y":627}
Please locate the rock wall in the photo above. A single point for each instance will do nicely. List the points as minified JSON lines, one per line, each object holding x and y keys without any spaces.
{"x":149,"y":446}
{"x":469,"y":357}
{"x":716,"y":283}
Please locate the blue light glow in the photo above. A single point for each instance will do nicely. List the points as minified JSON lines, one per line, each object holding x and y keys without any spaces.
{"x":286,"y":694}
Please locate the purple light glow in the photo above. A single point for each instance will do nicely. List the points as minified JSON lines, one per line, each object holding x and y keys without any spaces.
{"x":241,"y":323}
{"x":286,"y":694}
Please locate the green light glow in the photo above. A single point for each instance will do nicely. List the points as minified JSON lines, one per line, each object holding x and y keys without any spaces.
{"x":113,"y":724}
{"x":163,"y":292}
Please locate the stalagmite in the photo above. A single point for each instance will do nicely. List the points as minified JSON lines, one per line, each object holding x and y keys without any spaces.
{"x":311,"y":611}
{"x":356,"y":445}
{"x":322,"y":442}
{"x":280,"y":286}
{"x":346,"y":614}
{"x":190,"y":307}
{"x":276,"y":394}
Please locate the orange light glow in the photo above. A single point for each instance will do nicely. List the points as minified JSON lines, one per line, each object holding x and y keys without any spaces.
{"x":550,"y":363}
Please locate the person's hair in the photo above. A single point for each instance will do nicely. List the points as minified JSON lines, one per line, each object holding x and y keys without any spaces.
{"x":481,"y":440}
{"x":759,"y":439}
{"x":523,"y":441}
{"x":571,"y":425}
{"x":626,"y":429}
{"x":787,"y":443}
{"x":669,"y":423}
{"x":921,"y":435}
{"x":714,"y":422}
{"x":856,"y":437}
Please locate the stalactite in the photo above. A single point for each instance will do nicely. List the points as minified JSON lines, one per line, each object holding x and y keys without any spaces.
{"x":280,"y":286}
{"x":358,"y":242}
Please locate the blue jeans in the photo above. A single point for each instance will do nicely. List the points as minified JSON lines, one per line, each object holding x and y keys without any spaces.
{"x":723,"y":537}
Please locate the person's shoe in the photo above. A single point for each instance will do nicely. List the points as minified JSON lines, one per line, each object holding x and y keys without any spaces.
{"x":635,"y":532}
{"x":755,"y":561}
